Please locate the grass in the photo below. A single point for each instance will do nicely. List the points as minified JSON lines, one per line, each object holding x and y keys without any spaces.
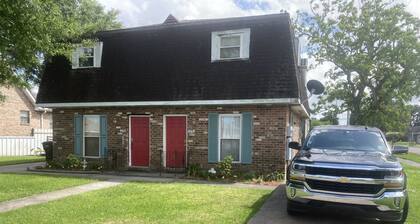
{"x":410,"y":156}
{"x":14,"y":186}
{"x":413,"y":175}
{"x":11,"y":160}
{"x":139,"y":202}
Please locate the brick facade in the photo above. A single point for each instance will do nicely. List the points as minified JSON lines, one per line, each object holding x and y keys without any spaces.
{"x":268,"y":140}
{"x":10,"y":108}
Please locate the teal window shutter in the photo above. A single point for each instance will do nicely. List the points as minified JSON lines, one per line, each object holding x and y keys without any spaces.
{"x":78,"y":134}
{"x":246,"y":138}
{"x":103,"y":137}
{"x":213,"y":138}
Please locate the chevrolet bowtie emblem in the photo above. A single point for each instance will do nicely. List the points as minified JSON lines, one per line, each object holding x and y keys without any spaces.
{"x":343,"y":180}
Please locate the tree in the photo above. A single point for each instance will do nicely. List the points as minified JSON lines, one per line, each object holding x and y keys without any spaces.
{"x":375,"y":50}
{"x":415,"y":116}
{"x":31,"y":31}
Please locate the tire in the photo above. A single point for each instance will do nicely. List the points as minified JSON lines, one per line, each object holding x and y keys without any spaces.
{"x":293,"y":208}
{"x":404,"y":216}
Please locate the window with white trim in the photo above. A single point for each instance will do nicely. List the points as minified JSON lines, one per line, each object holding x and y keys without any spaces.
{"x":91,"y":135}
{"x":230,"y":136}
{"x":24,"y":117}
{"x":229,"y":45}
{"x":87,"y":57}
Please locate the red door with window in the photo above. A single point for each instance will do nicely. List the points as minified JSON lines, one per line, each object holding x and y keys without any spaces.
{"x":139,"y":141}
{"x":175,"y":141}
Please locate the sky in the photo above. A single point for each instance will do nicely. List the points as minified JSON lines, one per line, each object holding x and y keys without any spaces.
{"x":134,"y":13}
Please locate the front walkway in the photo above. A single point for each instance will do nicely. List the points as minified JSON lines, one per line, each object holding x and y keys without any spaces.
{"x":409,"y":162}
{"x":55,"y":195}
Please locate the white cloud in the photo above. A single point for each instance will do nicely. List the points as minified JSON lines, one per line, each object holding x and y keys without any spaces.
{"x":146,"y":12}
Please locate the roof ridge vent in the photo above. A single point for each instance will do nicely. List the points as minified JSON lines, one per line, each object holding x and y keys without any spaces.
{"x":170,"y":20}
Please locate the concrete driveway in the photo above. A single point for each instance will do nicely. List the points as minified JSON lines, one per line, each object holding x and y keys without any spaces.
{"x":274,"y":211}
{"x":414,"y":150}
{"x":19,"y":167}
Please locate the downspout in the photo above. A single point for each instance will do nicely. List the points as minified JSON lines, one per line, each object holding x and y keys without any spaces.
{"x":42,"y":120}
{"x":289,"y":132}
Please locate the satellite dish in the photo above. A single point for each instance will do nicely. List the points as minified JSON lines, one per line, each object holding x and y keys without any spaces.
{"x":315,"y":87}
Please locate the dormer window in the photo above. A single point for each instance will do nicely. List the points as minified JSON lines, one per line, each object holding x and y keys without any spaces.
{"x":230,"y":45}
{"x":87,"y":57}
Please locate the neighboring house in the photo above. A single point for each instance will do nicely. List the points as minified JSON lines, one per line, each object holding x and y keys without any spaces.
{"x":181,"y":93}
{"x":19,"y":115}
{"x":414,"y":134}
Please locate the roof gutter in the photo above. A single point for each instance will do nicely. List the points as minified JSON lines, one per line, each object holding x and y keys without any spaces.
{"x":294,"y":101}
{"x":31,"y":98}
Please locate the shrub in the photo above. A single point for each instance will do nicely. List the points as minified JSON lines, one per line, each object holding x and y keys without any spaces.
{"x":274,"y":176}
{"x":224,"y":167}
{"x":194,"y":170}
{"x":95,"y":165}
{"x":55,"y":164}
{"x":72,"y":162}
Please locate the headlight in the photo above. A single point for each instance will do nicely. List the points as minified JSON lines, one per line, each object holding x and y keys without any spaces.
{"x":299,"y":167}
{"x":297,"y":172}
{"x":393,"y":173}
{"x":396,"y":179}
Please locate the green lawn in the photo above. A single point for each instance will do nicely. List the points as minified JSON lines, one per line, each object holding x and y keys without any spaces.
{"x":139,"y":202}
{"x":14,"y":186}
{"x":410,"y":156}
{"x":10,"y":160}
{"x":413,"y":175}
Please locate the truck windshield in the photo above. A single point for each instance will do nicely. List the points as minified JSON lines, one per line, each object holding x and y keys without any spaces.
{"x":346,"y":140}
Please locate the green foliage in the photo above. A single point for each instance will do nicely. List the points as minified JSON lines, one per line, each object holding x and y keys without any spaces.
{"x":224,"y":168}
{"x":72,"y":162}
{"x":275,"y":176}
{"x":375,"y":52}
{"x":96,"y":165}
{"x":194,"y":170}
{"x":395,"y":136}
{"x":315,"y":122}
{"x":55,"y":164}
{"x":32,"y":31}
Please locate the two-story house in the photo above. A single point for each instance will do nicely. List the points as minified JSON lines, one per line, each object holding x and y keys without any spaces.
{"x":180,"y":93}
{"x":19,"y":114}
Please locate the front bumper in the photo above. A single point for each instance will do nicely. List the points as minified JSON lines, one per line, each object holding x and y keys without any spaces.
{"x":388,"y":201}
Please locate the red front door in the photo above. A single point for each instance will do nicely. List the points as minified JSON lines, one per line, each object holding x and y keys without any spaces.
{"x":139,"y":141}
{"x":175,"y":141}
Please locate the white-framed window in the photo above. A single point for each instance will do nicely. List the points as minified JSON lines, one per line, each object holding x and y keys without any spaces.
{"x":230,"y":130}
{"x":24,"y":117}
{"x":91,"y":136}
{"x":87,"y":57}
{"x":230,"y":45}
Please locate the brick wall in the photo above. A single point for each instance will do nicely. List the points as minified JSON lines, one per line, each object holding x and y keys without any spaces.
{"x":10,"y":108}
{"x":269,"y":126}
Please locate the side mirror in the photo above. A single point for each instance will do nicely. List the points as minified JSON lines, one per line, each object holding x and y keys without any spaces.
{"x":294,"y":145}
{"x":397,"y":149}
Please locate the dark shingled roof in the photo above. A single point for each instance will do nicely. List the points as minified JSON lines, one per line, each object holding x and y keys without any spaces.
{"x":169,"y":62}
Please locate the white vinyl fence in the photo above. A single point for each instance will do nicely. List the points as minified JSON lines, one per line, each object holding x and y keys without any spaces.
{"x":24,"y":145}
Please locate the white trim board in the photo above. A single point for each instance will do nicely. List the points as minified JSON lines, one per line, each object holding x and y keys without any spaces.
{"x":174,"y":103}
